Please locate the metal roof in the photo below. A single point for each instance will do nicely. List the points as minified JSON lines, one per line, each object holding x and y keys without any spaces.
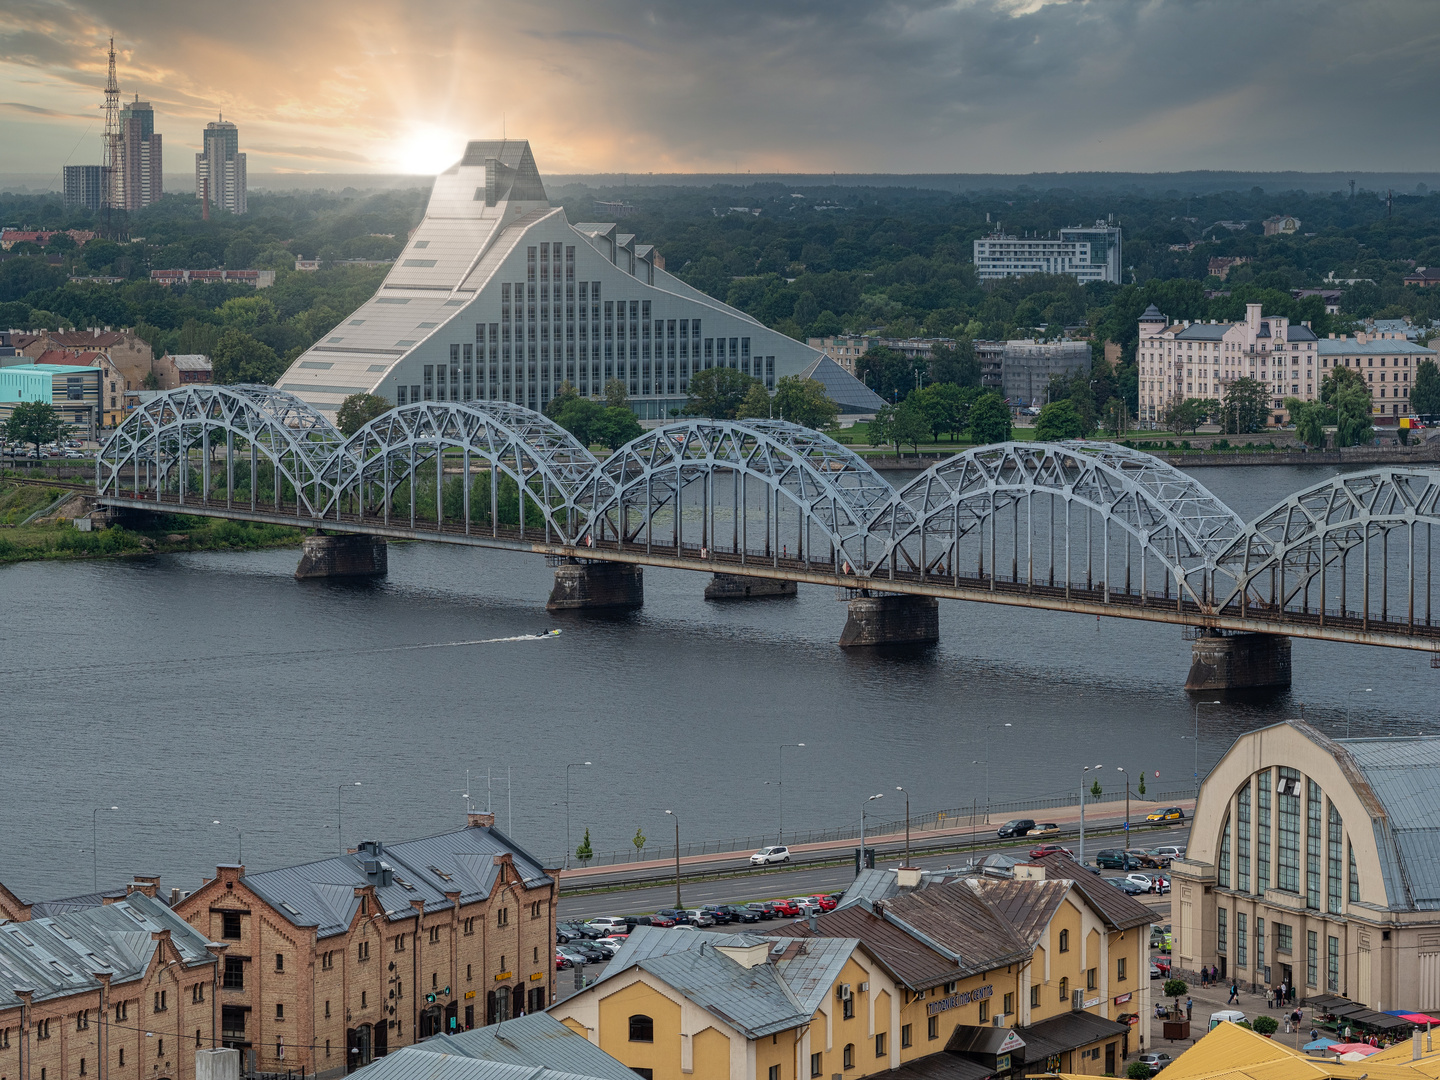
{"x":780,"y":993}
{"x":322,"y":894}
{"x":59,"y":955}
{"x":534,"y":1040}
{"x":419,"y":1063}
{"x":852,"y":395}
{"x":1401,"y":773}
{"x":1348,"y":346}
{"x":1204,"y":332}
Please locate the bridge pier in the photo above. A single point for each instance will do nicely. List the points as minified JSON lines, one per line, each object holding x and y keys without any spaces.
{"x":583,"y":586}
{"x":741,"y":587}
{"x":890,"y":619}
{"x":348,"y":555}
{"x":1239,"y":662}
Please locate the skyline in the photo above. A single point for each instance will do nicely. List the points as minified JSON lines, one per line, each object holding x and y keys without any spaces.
{"x":1008,"y":86}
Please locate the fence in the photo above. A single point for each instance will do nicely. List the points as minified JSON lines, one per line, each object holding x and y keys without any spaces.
{"x":957,"y":818}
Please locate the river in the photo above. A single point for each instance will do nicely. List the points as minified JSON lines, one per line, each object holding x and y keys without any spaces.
{"x":191,"y":689}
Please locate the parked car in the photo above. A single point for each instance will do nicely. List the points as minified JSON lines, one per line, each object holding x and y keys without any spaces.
{"x":576,"y":958}
{"x":632,"y":921}
{"x":1168,"y":942}
{"x":1145,"y":881}
{"x":1168,"y":813}
{"x":661,"y":920}
{"x":1015,"y":827}
{"x":762,"y":911}
{"x":1169,"y":851}
{"x":607,"y":925}
{"x":1050,"y":849}
{"x":592,"y":952}
{"x":675,"y":915}
{"x":611,"y":945}
{"x":579,"y":930}
{"x":805,"y":905}
{"x":718,"y":915}
{"x":564,"y":936}
{"x":697,"y":917}
{"x":561,"y":961}
{"x":1155,"y":1061}
{"x":1043,"y":828}
{"x":1112,"y":859}
{"x":687,"y":926}
{"x":1157,"y":934}
{"x":785,"y":907}
{"x":740,"y":914}
{"x":768,"y":855}
{"x":1139,"y":857}
{"x":826,"y":901}
{"x":1127,"y":886}
{"x":1160,"y":856}
{"x":1162,"y":964}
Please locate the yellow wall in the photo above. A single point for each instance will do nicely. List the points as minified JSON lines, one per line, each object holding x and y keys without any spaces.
{"x":777,"y":1050}
{"x":663,"y":1055}
{"x":712,"y":1055}
{"x":915,"y":1012}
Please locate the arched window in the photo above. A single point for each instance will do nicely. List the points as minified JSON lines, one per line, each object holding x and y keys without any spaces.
{"x":642,"y":1028}
{"x":1064,"y":989}
{"x":849,"y":1055}
{"x":1064,"y":940}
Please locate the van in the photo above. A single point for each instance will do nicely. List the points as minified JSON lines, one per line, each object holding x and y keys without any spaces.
{"x":1234,"y":1016}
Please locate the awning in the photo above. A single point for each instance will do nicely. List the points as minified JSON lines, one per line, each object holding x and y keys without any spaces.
{"x":1320,"y":1044}
{"x":1414,"y":1018}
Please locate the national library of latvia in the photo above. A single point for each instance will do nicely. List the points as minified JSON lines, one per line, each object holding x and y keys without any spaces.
{"x":497,"y":296}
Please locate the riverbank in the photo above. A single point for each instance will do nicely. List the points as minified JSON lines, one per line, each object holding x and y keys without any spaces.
{"x":38,"y":522}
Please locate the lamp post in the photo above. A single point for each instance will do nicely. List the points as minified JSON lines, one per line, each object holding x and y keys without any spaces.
{"x":240,"y":836}
{"x":989,"y":744}
{"x":678,"y":905}
{"x":907,"y":825}
{"x":1121,"y":769}
{"x":572,"y":765}
{"x":95,"y":845}
{"x":339,"y":833}
{"x":1084,"y":769}
{"x":871,"y":799}
{"x":1197,"y":743}
{"x":781,"y":837}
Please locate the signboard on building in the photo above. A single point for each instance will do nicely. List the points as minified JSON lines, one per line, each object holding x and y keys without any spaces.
{"x":955,"y":1001}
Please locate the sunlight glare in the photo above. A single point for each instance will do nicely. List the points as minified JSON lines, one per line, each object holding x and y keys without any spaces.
{"x":426,"y":150}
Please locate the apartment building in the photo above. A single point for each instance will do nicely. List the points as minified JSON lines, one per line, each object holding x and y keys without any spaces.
{"x":1386,"y":360}
{"x":334,"y":963}
{"x":1085,"y":253}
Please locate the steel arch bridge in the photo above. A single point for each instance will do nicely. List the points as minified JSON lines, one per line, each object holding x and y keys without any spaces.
{"x":1084,"y":526}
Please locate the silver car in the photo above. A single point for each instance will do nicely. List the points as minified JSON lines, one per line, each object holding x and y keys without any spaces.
{"x":700,"y":917}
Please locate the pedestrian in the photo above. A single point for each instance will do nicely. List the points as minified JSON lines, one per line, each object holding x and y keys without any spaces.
{"x":1314,"y":1034}
{"x":1269,"y":997}
{"x":1189,"y":1005}
{"x":1204,"y":975}
{"x":1287,"y":1025}
{"x":1234,"y":993}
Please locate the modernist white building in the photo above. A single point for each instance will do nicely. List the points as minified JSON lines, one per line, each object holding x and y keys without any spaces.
{"x":1086,"y":254}
{"x":498,"y":297}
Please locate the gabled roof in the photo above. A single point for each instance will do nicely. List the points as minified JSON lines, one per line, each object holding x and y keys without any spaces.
{"x":775,"y":995}
{"x":1299,"y":332}
{"x":909,"y":960}
{"x":517,"y":176}
{"x":1204,"y":332}
{"x":537,"y":1040}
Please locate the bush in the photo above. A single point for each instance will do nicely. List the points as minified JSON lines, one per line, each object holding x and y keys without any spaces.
{"x":1137,"y":1070}
{"x":1265,"y":1025}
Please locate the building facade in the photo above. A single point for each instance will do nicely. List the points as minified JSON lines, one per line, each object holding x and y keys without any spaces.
{"x":130,"y":354}
{"x":72,"y":389}
{"x":497,"y":296}
{"x":138,"y":179}
{"x":334,"y":963}
{"x":220,"y":168}
{"x":119,"y":990}
{"x":844,"y":349}
{"x":1026,"y":368}
{"x":1387,"y":362}
{"x":187,"y":369}
{"x":1311,"y":862}
{"x":1086,"y":254}
{"x":84,"y":185}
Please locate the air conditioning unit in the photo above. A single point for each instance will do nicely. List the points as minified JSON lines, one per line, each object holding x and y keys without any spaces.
{"x":998,"y":1021}
{"x":843,"y":992}
{"x":864,"y":987}
{"x":1077,"y":1000}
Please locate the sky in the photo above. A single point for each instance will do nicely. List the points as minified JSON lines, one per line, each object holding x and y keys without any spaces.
{"x":809,"y":86}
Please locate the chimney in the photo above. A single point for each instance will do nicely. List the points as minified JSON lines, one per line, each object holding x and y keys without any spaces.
{"x":814,"y":921}
{"x":1415,"y":1046}
{"x":1252,"y":316}
{"x":907,"y":877}
{"x":478,"y":819}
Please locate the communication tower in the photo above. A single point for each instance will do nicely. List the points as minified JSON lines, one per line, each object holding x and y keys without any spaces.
{"x":112,"y":136}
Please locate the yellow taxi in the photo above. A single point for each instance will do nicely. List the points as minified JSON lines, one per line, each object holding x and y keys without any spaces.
{"x":1169,"y":813}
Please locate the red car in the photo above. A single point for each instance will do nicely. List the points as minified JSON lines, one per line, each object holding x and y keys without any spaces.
{"x":661,"y":920}
{"x":825,"y":900}
{"x":561,"y":963}
{"x":785,"y":907}
{"x":1050,"y":849}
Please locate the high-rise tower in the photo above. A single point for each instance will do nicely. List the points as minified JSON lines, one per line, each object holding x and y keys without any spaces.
{"x":221,"y":168}
{"x":138,"y":166}
{"x":112,"y":134}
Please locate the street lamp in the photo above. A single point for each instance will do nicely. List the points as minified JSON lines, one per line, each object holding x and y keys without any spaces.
{"x":339,"y":832}
{"x":239,"y":836}
{"x":781,"y":837}
{"x":1197,"y":744}
{"x":989,"y":743}
{"x":572,"y":765}
{"x":1121,"y":768}
{"x":871,"y":799}
{"x":678,"y":905}
{"x":1083,"y":770}
{"x":95,"y":846}
{"x":907,"y":825}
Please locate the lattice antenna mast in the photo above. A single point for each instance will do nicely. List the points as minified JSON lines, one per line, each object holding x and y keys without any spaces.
{"x":112,"y":133}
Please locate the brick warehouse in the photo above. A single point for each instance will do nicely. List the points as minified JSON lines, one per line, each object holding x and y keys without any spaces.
{"x":331,"y":964}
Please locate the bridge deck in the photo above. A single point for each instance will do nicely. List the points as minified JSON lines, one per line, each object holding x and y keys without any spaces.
{"x":1409,"y":632}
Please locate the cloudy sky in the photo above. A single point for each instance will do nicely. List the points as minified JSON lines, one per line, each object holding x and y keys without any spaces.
{"x":718,"y":85}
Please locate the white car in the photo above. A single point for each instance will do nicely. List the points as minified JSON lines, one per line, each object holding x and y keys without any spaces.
{"x":609,"y":924}
{"x":1143,"y":880}
{"x":766,"y":856}
{"x":699,"y":917}
{"x":611,"y":945}
{"x":806,"y":904}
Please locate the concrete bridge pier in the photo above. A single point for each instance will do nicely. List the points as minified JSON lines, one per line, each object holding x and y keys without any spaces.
{"x":348,"y":555}
{"x":741,"y":587}
{"x":585,"y":586}
{"x":1239,"y":662}
{"x":890,"y":619}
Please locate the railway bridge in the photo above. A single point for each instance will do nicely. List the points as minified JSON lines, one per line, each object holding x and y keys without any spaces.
{"x":1085,"y":527}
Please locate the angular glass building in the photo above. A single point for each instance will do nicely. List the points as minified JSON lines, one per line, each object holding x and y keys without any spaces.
{"x":497,"y":296}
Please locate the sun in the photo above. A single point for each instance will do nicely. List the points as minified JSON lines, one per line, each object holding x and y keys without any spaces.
{"x":426,"y":149}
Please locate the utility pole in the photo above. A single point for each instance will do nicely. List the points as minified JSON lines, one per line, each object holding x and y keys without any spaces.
{"x":112,"y":138}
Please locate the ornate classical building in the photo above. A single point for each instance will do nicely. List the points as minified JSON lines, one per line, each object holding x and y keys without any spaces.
{"x":1316,"y":862}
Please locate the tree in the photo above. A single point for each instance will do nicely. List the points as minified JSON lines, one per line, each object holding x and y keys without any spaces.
{"x":911,"y":426}
{"x":1137,"y":1070}
{"x":1265,"y":1025}
{"x":585,"y":852}
{"x":357,"y":410}
{"x":890,"y":371}
{"x":1175,"y":989}
{"x":581,"y":417}
{"x":36,"y":423}
{"x":1117,"y":416}
{"x":990,"y":419}
{"x":1185,"y":415}
{"x":1245,"y":407}
{"x":1096,"y":790}
{"x":955,"y":364}
{"x":803,"y":402}
{"x":564,"y":394}
{"x":239,"y":358}
{"x":1425,"y":397}
{"x":615,"y":395}
{"x":616,"y":426}
{"x":947,"y":407}
{"x":638,"y":841}
{"x":877,"y":432}
{"x":1337,"y":380}
{"x":757,"y":404}
{"x":1352,"y":416}
{"x":1141,"y":788}
{"x":1058,"y":420}
{"x":1310,"y":418}
{"x":717,"y":393}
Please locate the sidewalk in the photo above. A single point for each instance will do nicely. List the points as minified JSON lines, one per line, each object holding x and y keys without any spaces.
{"x":1210,"y":999}
{"x":1106,"y":816}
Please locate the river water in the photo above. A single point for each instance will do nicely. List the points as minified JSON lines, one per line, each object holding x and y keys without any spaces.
{"x":191,"y":689}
